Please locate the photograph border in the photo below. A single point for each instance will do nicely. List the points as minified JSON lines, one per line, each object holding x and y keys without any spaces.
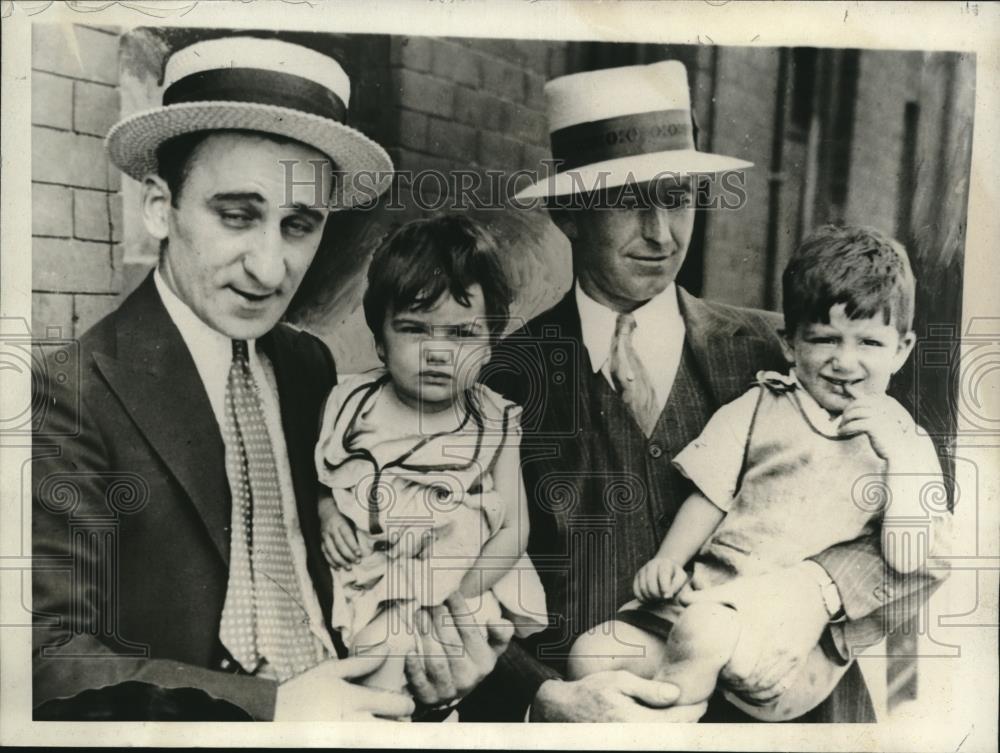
{"x":967,"y":722}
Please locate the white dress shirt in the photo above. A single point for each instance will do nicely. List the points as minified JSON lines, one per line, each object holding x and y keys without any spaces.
{"x":213,"y":353}
{"x":658,"y":339}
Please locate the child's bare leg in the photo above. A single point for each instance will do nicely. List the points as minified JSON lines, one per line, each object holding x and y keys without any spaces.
{"x":393,"y":633}
{"x":616,"y":645}
{"x":700,"y":644}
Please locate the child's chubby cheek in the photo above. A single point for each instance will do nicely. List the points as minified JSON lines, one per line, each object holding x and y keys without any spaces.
{"x":470,"y":359}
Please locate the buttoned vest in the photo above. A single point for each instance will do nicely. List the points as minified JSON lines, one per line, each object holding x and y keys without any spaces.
{"x":604,"y":496}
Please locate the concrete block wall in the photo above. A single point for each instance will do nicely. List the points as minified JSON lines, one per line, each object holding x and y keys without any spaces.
{"x":458,"y":104}
{"x":736,"y":241}
{"x":448,"y":104}
{"x":77,"y":221}
{"x":470,"y":103}
{"x":440,"y":104}
{"x":885,"y":85}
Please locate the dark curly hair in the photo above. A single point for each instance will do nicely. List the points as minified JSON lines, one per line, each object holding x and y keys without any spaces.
{"x":860,"y":267}
{"x":424,"y":258}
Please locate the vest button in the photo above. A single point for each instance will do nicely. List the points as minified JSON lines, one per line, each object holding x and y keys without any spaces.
{"x":225,"y":664}
{"x":655,"y":451}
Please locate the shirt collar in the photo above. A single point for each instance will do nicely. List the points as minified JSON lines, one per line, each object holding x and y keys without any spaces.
{"x":815,"y":413}
{"x":597,"y":321}
{"x":211,"y":350}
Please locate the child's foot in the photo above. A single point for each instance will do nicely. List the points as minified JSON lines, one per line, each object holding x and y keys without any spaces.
{"x":700,"y":644}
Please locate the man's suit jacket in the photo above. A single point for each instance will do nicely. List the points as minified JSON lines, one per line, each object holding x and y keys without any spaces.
{"x":130,"y":521}
{"x":601,"y":496}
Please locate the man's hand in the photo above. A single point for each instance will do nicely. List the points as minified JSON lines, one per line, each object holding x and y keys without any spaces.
{"x":455,"y":655}
{"x":660,"y":578}
{"x":324,"y":694}
{"x":785,"y":617}
{"x":615,"y":696}
{"x":889,"y":426}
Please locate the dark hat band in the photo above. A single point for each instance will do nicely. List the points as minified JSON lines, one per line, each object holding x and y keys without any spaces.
{"x":624,"y":136}
{"x":260,"y":87}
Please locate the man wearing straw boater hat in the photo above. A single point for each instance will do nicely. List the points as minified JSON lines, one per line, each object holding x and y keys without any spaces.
{"x":179,"y":572}
{"x":615,"y":380}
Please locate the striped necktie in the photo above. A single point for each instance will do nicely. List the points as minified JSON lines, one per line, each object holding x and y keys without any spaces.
{"x":263,"y":618}
{"x":630,"y":377}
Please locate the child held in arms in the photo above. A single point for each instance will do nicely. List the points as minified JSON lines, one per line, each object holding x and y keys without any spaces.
{"x":420,"y":463}
{"x":784,"y":472}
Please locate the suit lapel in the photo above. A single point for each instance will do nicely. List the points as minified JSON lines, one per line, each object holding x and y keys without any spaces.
{"x":156,"y":380}
{"x":298,"y":421}
{"x":564,"y":325}
{"x":567,"y":357}
{"x":300,"y":418}
{"x":723,"y":350}
{"x":281,"y":355}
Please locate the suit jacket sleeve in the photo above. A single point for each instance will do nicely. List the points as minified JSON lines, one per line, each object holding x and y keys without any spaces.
{"x":508,"y":692}
{"x":518,"y":674}
{"x":80,"y":671}
{"x":526,"y":673}
{"x":876,"y":598}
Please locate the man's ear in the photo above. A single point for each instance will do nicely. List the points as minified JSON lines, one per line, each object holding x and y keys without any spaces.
{"x":156,"y":206}
{"x":786,"y":345}
{"x":906,"y":343}
{"x":380,"y":351}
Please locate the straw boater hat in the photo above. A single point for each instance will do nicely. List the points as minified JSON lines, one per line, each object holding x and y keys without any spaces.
{"x":250,"y":84}
{"x":625,"y":125}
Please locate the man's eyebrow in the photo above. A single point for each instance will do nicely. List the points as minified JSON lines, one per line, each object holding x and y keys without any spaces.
{"x":255,"y":198}
{"x":251,"y":196}
{"x":314,"y":214}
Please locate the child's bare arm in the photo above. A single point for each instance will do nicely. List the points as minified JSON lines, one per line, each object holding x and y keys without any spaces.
{"x":912,"y":467}
{"x":504,"y":549}
{"x":696,"y":520}
{"x":714,"y":463}
{"x":340,"y":543}
{"x":663,"y":576}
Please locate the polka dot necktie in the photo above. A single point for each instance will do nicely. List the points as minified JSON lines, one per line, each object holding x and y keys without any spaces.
{"x":630,"y":377}
{"x":263,"y":618}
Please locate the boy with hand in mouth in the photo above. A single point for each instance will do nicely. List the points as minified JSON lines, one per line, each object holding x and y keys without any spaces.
{"x":797,"y":464}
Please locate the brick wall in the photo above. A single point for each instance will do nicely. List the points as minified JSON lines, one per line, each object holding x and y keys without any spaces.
{"x":76,"y":222}
{"x":447,"y":104}
{"x":436,"y":104}
{"x":735,"y":241}
{"x":885,"y":84}
{"x":471,"y":102}
{"x":457,"y":104}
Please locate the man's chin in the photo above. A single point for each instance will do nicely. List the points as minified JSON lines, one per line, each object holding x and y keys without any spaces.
{"x":243,"y":328}
{"x":657,"y":285}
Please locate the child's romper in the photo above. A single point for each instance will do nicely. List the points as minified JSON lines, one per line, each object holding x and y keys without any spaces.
{"x":791,"y":487}
{"x":424,"y":507}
